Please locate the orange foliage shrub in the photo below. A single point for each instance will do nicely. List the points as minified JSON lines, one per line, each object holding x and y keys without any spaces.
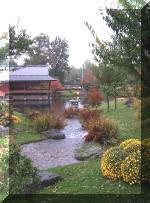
{"x":94,"y":97}
{"x":70,"y":112}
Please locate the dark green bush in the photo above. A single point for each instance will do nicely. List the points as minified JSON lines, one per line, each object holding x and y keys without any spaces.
{"x":21,"y":171}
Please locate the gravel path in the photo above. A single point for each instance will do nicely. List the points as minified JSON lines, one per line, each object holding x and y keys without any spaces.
{"x":52,"y":153}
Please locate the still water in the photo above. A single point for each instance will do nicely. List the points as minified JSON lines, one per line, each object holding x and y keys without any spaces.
{"x":56,"y":105}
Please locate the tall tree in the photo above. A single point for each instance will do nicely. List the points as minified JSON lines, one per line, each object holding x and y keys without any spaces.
{"x":19,"y":42}
{"x":74,"y":76}
{"x":55,"y":53}
{"x":126,"y":52}
{"x":111,"y":81}
{"x":39,"y":54}
{"x":4,"y":49}
{"x":59,"y":59}
{"x":145,"y":49}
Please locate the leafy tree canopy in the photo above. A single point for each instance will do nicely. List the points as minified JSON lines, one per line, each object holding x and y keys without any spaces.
{"x":53,"y":52}
{"x":19,"y":42}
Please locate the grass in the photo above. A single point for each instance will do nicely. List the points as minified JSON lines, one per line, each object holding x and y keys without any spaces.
{"x":86,"y":177}
{"x":28,"y":133}
{"x":2,"y":197}
{"x":66,"y":93}
{"x":124,"y":116}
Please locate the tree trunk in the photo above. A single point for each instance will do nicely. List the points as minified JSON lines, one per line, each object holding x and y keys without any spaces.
{"x":107,"y":104}
{"x":115,"y":102}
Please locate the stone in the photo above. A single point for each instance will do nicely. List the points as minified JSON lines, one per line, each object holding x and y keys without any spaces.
{"x":18,"y":130}
{"x":54,"y":134}
{"x":130,"y":102}
{"x":89,"y":150}
{"x":4,"y":131}
{"x":47,"y":179}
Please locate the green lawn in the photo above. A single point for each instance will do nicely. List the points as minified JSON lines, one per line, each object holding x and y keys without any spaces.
{"x":86,"y":177}
{"x":2,"y":197}
{"x":28,"y":133}
{"x":124,"y":116}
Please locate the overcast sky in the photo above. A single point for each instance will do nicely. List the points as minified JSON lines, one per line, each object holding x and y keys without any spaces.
{"x":64,"y":18}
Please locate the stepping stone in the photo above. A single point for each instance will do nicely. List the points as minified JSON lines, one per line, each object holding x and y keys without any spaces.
{"x":54,"y":134}
{"x":18,"y":130}
{"x":89,"y":150}
{"x":4,"y":131}
{"x":47,"y":179}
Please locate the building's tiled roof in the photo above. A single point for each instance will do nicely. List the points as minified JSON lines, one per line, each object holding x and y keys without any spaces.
{"x":28,"y":73}
{"x":30,"y":78}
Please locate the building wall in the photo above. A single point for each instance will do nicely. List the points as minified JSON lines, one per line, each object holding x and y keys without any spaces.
{"x":4,"y":88}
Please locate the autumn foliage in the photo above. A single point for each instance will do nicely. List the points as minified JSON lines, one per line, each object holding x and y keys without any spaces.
{"x":55,"y":86}
{"x":102,"y":130}
{"x":94,"y":97}
{"x":86,"y":115}
{"x":90,"y":79}
{"x":70,"y":112}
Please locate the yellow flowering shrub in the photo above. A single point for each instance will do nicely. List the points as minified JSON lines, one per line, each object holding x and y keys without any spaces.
{"x":111,"y":162}
{"x":124,"y":161}
{"x":145,"y":160}
{"x":131,"y":168}
{"x":131,"y":145}
{"x":16,"y":119}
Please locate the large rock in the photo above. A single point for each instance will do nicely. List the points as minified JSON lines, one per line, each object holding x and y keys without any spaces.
{"x":17,"y":130}
{"x":47,"y":179}
{"x":4,"y":131}
{"x":89,"y":150}
{"x":130,"y":102}
{"x":54,"y":134}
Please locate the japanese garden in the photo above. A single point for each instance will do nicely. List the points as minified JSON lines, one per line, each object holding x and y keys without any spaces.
{"x":68,"y":130}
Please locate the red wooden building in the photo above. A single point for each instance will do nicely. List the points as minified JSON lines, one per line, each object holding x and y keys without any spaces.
{"x":26,"y":83}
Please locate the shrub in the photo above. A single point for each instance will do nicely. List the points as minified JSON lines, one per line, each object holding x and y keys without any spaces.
{"x":85,"y":115}
{"x":145,"y":167}
{"x":131,"y":168}
{"x":70,"y":112}
{"x":109,"y":130}
{"x":111,"y":162}
{"x":47,"y":122}
{"x":131,"y":145}
{"x":4,"y":114}
{"x":137,"y":106}
{"x":4,"y":165}
{"x":94,"y":131}
{"x":94,"y":97}
{"x":21,"y":170}
{"x":32,"y":115}
{"x":104,"y":131}
{"x":16,"y":119}
{"x":124,"y":162}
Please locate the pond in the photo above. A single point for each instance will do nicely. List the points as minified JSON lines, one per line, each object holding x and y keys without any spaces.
{"x":52,"y":153}
{"x":56,"y":105}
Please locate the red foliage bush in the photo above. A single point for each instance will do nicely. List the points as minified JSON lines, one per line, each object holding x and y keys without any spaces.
{"x":94,"y":130}
{"x":94,"y":97}
{"x":90,"y":79}
{"x":102,"y":130}
{"x":56,"y":85}
{"x":33,"y":114}
{"x":70,"y":112}
{"x":85,"y":115}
